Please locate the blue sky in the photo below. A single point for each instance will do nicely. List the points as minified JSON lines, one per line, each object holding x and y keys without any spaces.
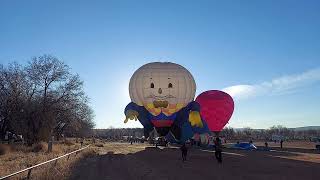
{"x":265,"y":53}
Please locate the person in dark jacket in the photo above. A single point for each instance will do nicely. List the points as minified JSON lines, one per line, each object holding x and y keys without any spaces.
{"x":218,"y":149}
{"x":266,"y":145}
{"x":184,"y":152}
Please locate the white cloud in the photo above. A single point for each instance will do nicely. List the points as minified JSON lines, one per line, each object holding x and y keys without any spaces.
{"x":240,"y":90}
{"x":279,"y":85}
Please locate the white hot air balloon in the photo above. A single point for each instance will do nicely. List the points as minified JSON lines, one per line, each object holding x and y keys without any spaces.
{"x":162,"y":95}
{"x":162,"y":87}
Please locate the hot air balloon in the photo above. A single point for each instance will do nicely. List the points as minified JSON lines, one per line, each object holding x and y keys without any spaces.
{"x":216,"y":108}
{"x":162,"y":95}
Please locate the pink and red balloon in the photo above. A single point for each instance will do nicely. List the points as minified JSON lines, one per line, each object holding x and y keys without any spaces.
{"x":216,"y":108}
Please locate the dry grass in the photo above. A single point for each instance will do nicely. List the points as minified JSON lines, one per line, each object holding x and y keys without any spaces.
{"x":62,"y":169}
{"x":122,"y":148}
{"x":89,"y":153}
{"x":68,"y":142}
{"x":99,"y":145}
{"x":21,"y":148}
{"x":21,"y":157}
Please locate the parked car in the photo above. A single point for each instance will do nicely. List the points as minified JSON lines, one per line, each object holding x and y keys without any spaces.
{"x":151,"y":140}
{"x":161,"y":141}
{"x":244,"y":146}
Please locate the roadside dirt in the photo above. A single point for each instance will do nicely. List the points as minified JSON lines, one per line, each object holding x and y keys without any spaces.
{"x":141,"y":162}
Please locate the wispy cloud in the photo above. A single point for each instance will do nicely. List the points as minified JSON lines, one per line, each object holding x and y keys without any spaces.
{"x":279,"y":85}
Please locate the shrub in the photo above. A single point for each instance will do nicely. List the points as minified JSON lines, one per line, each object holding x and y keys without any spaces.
{"x":21,"y":148}
{"x":4,"y":148}
{"x":68,"y":143}
{"x":41,"y":146}
{"x":89,"y":153}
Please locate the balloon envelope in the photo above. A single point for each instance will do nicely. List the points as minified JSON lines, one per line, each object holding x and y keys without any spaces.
{"x":216,"y":108}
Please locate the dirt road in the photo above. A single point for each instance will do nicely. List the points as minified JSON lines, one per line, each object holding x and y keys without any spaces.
{"x":124,"y":162}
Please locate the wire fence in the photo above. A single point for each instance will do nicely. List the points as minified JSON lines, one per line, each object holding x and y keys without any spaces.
{"x":29,"y":169}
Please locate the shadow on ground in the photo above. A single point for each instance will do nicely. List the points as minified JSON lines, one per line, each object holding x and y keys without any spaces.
{"x":166,"y":164}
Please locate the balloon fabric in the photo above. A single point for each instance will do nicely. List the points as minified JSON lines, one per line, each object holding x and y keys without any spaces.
{"x":216,"y":108}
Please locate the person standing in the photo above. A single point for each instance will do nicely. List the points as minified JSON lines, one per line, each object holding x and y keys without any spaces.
{"x":281,"y":142}
{"x":184,"y":152}
{"x":218,"y":149}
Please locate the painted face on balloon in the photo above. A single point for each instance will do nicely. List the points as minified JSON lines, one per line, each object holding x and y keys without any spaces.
{"x":162,"y":87}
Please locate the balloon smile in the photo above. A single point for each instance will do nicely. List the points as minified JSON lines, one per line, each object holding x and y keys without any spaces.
{"x":160,"y":104}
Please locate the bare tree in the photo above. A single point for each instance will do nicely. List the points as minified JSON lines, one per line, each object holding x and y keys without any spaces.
{"x":42,"y":99}
{"x":228,"y":133}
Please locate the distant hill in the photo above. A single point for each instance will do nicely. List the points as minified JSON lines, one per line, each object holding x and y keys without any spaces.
{"x":305,"y":128}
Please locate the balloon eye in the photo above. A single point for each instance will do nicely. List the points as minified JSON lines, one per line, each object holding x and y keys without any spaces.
{"x":169,"y":85}
{"x":151,"y":85}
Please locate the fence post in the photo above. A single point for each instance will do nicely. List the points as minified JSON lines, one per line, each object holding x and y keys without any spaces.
{"x":29,"y":174}
{"x":50,"y":144}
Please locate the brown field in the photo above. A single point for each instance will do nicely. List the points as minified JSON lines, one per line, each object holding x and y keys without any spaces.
{"x":141,"y":161}
{"x":20,"y":157}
